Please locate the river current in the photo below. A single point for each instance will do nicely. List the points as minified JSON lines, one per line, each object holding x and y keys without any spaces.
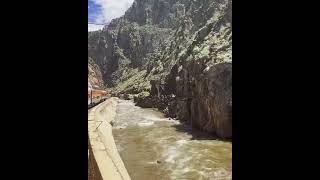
{"x":153,"y":147}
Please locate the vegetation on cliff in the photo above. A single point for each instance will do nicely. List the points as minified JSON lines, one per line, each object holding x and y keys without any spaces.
{"x":174,"y":55}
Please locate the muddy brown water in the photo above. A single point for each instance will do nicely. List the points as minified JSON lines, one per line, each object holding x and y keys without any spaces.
{"x":153,"y":147}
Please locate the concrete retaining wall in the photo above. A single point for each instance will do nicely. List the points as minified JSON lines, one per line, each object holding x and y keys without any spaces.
{"x":104,"y":160}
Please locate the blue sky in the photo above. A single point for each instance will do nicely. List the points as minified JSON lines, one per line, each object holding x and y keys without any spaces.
{"x":103,"y":11}
{"x":94,"y":10}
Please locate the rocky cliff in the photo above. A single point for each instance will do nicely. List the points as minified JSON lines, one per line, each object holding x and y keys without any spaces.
{"x":174,"y":55}
{"x":94,"y":74}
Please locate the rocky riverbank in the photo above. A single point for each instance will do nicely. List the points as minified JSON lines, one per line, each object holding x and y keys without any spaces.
{"x":206,"y":104}
{"x":173,"y":55}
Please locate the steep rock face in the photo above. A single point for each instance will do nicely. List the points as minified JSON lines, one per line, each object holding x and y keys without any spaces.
{"x":179,"y":51}
{"x":204,"y":80}
{"x":94,"y":74}
{"x":199,"y":73}
{"x":133,"y":40}
{"x":206,"y":103}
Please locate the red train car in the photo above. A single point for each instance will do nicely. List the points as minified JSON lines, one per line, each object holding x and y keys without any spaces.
{"x":95,"y":95}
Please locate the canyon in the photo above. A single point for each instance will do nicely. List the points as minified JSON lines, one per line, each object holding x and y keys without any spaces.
{"x":174,"y":55}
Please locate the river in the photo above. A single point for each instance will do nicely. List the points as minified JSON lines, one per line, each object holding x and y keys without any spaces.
{"x":153,"y":147}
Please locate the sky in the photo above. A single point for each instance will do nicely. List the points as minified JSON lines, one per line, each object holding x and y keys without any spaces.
{"x":101,"y":12}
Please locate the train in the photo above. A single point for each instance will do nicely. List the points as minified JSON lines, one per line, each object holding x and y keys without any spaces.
{"x":96,"y":95}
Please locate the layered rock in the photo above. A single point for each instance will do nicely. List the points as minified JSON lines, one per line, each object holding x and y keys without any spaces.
{"x":179,"y":52}
{"x":206,"y":103}
{"x":94,"y":74}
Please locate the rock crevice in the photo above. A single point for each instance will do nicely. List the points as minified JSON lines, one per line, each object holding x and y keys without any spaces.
{"x":174,"y":55}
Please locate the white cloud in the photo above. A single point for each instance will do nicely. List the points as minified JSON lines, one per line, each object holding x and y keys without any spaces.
{"x":112,"y":9}
{"x":94,"y":27}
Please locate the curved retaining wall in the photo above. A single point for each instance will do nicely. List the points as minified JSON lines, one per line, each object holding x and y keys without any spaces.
{"x":104,"y":160}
